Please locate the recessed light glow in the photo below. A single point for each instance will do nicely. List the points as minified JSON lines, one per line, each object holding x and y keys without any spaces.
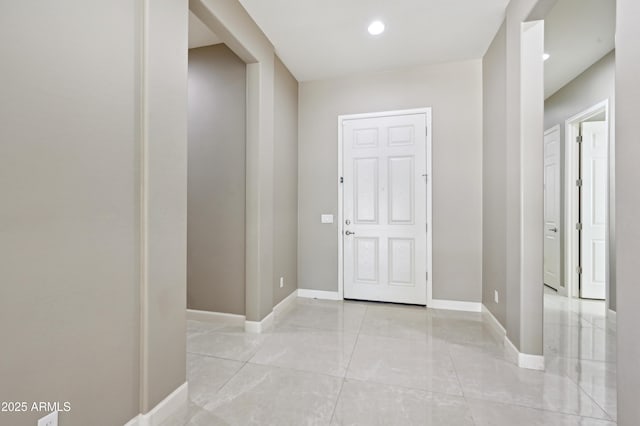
{"x":376,"y":28}
{"x":545,"y":56}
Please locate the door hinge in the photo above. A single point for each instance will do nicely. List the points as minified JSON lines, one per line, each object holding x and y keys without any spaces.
{"x":579,"y":270}
{"x":341,"y":179}
{"x":426,"y":275}
{"x":426,"y":227}
{"x":579,"y":139}
{"x":579,"y":226}
{"x":579,"y":182}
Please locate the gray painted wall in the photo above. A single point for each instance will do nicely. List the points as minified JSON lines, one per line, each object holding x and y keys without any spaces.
{"x":627,"y":208}
{"x":494,"y":178}
{"x":69,"y":220}
{"x":83,"y":319}
{"x":216,"y":185}
{"x":285,"y":240}
{"x":594,"y":85}
{"x":454,"y":91}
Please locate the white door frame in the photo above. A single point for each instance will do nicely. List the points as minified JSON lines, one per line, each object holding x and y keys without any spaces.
{"x":429,"y":178}
{"x":571,"y":200}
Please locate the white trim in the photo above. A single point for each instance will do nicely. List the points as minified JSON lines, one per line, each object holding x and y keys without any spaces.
{"x":528,"y":361}
{"x":494,"y":321}
{"x":611,"y":315}
{"x":172,"y":404}
{"x":206,"y":316}
{"x":260,"y":326}
{"x":531,"y":362}
{"x":285,"y":303}
{"x":429,"y":165}
{"x":319,"y":294}
{"x":455,"y":305}
{"x":571,"y":208}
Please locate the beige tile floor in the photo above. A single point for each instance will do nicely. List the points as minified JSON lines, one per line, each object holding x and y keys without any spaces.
{"x":349,"y":363}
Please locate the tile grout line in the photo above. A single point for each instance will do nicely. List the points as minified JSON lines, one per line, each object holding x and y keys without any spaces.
{"x":545,"y":410}
{"x":584,"y":391}
{"x":346,"y":370}
{"x":464,"y":394}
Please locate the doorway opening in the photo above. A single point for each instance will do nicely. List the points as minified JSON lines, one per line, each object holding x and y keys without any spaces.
{"x":587,"y":202}
{"x":216,"y":175}
{"x":577,"y":110}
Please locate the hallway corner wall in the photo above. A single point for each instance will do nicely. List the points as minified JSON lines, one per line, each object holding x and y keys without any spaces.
{"x":594,"y":85}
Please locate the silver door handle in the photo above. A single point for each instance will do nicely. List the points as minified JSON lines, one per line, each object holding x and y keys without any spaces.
{"x":349,"y":233}
{"x":553,"y":229}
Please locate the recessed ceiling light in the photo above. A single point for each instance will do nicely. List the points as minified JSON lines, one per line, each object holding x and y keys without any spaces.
{"x":545,"y":56}
{"x":376,"y":28}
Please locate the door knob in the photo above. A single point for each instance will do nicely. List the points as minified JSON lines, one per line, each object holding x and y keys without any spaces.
{"x":553,"y":229}
{"x":349,"y":233}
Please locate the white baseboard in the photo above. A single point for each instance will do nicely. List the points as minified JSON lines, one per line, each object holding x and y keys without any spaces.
{"x":285,"y":304}
{"x":318,"y":294}
{"x":531,"y":362}
{"x":455,"y":305}
{"x":611,"y":315}
{"x":172,"y":404}
{"x":206,"y":316}
{"x":259,"y":326}
{"x":494,"y":321}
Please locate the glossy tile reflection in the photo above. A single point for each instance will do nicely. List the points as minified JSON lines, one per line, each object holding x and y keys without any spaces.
{"x":348,"y":363}
{"x":580,"y":343}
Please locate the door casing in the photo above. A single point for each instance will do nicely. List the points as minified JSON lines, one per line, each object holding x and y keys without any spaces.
{"x":429,"y":186}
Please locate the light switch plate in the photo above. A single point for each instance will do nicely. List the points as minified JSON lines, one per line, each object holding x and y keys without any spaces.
{"x":326,"y":218}
{"x":50,"y":419}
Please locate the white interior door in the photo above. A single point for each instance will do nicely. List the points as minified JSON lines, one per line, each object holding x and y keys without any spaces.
{"x":385,"y":209}
{"x":593,"y":210}
{"x":552,"y":208}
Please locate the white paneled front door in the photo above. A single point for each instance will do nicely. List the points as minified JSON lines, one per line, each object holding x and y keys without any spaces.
{"x":552,"y":208}
{"x":385,"y":208}
{"x":593,"y":210}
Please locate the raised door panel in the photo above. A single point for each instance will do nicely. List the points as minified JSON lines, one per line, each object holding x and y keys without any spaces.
{"x":402,"y":261}
{"x":366,"y":205}
{"x":366,"y":261}
{"x":401,"y":190}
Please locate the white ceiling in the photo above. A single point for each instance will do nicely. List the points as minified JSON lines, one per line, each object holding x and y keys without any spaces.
{"x":322,"y":39}
{"x":326,"y":39}
{"x":199,"y":34}
{"x":577,"y":34}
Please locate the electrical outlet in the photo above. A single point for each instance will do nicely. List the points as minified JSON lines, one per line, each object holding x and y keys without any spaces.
{"x":496,"y":297}
{"x":281,"y":282}
{"x":50,"y":419}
